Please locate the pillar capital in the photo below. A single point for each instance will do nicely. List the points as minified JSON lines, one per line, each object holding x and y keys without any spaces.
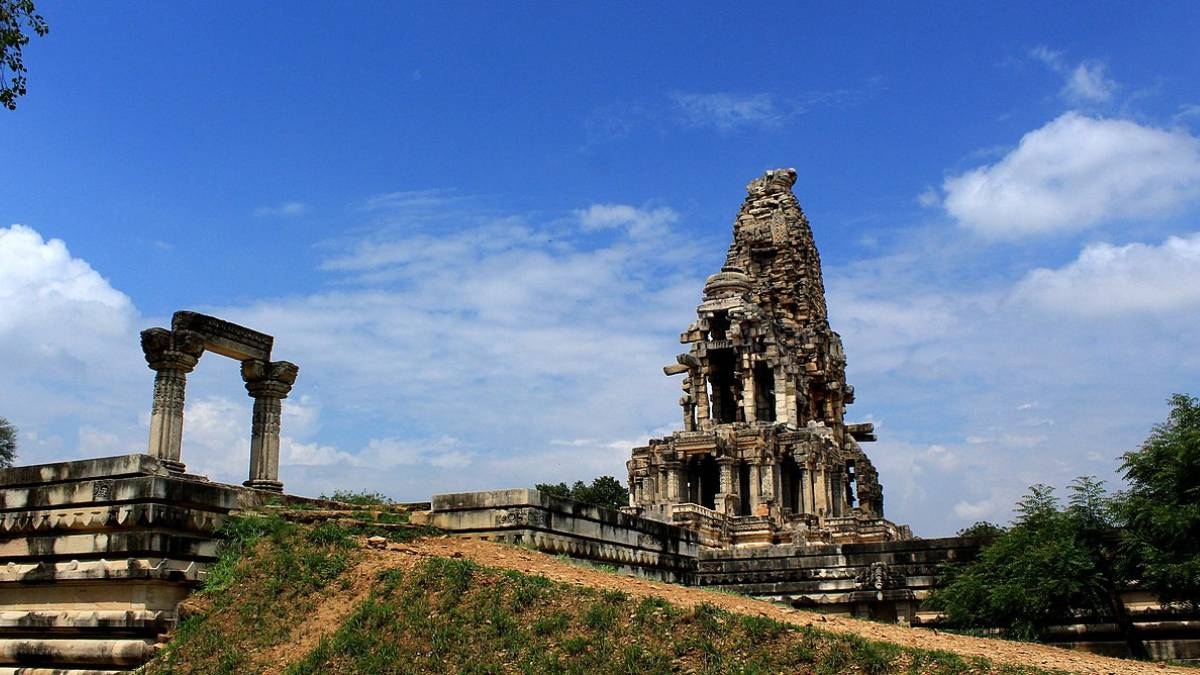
{"x":269,"y":379}
{"x":172,"y":350}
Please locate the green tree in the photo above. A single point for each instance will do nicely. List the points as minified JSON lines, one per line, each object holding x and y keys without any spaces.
{"x":1032,"y":576}
{"x":8,"y":443}
{"x":981,"y":528}
{"x":16,"y":18}
{"x":1161,"y":509}
{"x":604,"y":491}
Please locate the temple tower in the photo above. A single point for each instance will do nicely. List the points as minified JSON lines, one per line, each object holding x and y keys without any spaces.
{"x":765,"y":450}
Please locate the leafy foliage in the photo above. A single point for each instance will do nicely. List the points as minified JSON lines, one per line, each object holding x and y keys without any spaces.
{"x":359,"y":498}
{"x":16,"y":17}
{"x":604,"y":491}
{"x":1161,"y":510}
{"x":8,"y":443}
{"x":981,"y":528}
{"x":1050,"y":564}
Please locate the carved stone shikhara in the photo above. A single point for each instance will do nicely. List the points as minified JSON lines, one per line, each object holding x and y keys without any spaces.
{"x":765,"y":455}
{"x":172,"y":354}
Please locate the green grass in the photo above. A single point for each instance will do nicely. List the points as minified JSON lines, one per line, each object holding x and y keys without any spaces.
{"x":454,"y":615}
{"x":451,"y":615}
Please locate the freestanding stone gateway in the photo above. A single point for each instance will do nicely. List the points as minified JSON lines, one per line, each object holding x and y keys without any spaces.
{"x":172,"y":354}
{"x":765,"y":456}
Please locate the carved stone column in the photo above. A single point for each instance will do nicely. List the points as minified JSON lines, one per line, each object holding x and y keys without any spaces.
{"x":171,"y":355}
{"x":749,"y":396}
{"x":755,"y":488}
{"x":268,"y":384}
{"x":728,"y":486}
{"x":782,"y":402}
{"x":673,"y":481}
{"x":700,"y":395}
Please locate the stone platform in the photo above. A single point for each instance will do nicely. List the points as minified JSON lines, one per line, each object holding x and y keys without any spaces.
{"x":95,"y":555}
{"x":561,"y":526}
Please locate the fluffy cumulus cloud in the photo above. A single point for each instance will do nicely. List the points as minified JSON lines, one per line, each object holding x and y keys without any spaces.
{"x":68,"y":342}
{"x":1107,"y":280}
{"x":1076,"y":172}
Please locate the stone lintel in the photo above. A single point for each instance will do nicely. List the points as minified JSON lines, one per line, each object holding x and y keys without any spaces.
{"x":225,"y":338}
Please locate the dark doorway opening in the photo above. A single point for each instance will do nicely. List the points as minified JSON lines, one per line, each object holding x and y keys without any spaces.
{"x":791,"y":478}
{"x":764,"y":392}
{"x":704,"y":481}
{"x":722,"y":380}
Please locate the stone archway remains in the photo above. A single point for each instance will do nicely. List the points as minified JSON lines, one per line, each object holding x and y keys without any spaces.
{"x":172,"y":354}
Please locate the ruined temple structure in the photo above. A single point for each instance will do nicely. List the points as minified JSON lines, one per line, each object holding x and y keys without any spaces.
{"x":765,"y":455}
{"x":173,"y":353}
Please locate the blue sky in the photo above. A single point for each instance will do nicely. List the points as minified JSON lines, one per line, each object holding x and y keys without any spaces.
{"x":480,"y":228}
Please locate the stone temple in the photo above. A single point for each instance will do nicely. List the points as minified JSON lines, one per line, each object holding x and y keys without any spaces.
{"x":765,"y":455}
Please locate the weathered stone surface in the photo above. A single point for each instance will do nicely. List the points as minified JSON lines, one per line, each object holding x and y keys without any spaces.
{"x":224,"y":337}
{"x":562,"y":526}
{"x":173,"y":353}
{"x":765,"y":455}
{"x":95,"y":555}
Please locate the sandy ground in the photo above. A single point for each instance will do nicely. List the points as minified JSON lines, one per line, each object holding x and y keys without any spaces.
{"x":341,"y":602}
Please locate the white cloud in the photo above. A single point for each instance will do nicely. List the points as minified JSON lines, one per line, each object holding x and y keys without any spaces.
{"x":1085,"y":82}
{"x":729,"y":111}
{"x":284,"y":210}
{"x":69,"y":349}
{"x":1075,"y":172}
{"x":1088,"y":82}
{"x":1108,"y":280}
{"x":640,"y":222}
{"x":983,"y":509}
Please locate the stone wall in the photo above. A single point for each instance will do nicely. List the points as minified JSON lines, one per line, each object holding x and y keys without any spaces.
{"x":886,"y":580}
{"x":562,"y":526}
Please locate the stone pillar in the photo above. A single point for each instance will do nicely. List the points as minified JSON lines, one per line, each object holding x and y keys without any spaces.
{"x":766,"y":472}
{"x":755,"y":489}
{"x":782,"y":402}
{"x":821,"y":492}
{"x":688,"y":401}
{"x":700,"y":395}
{"x":673,"y":481}
{"x":749,"y":396}
{"x":171,"y":355}
{"x":268,"y":384}
{"x":728,"y":486}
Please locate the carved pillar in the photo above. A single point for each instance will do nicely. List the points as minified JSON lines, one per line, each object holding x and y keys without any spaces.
{"x":699,"y":395}
{"x":171,"y":355}
{"x":821,"y":492}
{"x":688,"y":401}
{"x":766,"y":472}
{"x":782,"y":402}
{"x":755,"y":488}
{"x":749,"y":395}
{"x":728,"y":484}
{"x":674,"y":479}
{"x":268,"y":384}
